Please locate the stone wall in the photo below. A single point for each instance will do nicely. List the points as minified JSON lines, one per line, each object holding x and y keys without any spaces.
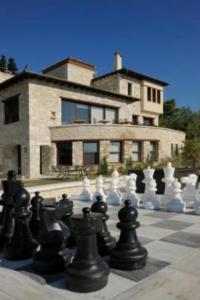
{"x":5,"y":75}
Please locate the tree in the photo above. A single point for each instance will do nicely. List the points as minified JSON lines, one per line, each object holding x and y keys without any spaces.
{"x":12,"y":67}
{"x":3,"y":63}
{"x":191,"y":153}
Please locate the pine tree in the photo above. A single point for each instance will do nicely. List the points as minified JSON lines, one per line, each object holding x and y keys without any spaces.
{"x":12,"y":67}
{"x":3,"y":63}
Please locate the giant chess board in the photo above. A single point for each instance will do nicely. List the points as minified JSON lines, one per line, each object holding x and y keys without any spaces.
{"x":172,"y":270}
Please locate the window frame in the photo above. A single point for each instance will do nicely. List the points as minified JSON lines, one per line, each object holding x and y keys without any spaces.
{"x":97,"y":153}
{"x":16,"y":116}
{"x":58,"y":154}
{"x":130,"y":89}
{"x":120,"y":152}
{"x":139,"y":152}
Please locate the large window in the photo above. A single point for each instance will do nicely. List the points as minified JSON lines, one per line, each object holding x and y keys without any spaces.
{"x":153,"y":95}
{"x":153,"y":151}
{"x":11,"y":107}
{"x":64,"y":153}
{"x":137,"y":151}
{"x":90,"y":153}
{"x":76,"y":112}
{"x":115,"y":152}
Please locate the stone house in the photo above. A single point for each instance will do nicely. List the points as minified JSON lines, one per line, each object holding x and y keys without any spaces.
{"x":66,"y":115}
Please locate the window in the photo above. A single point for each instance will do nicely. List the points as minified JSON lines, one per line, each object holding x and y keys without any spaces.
{"x":135,"y":119}
{"x":79,"y":112}
{"x":149,"y":93}
{"x":154,"y":95}
{"x":174,"y":150}
{"x":64,"y":153}
{"x":137,"y":151}
{"x":97,"y":114}
{"x":130,"y":88}
{"x":90,"y":153}
{"x":153,"y":151}
{"x":82,"y":113}
{"x":115,"y":152}
{"x":11,"y":107}
{"x":158,"y":96}
{"x":111,"y":115}
{"x":148,"y":121}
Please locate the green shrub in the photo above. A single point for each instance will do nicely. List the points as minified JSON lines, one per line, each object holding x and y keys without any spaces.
{"x":103,"y":166}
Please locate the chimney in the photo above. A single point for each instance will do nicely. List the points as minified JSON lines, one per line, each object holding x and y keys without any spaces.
{"x":118,"y":61}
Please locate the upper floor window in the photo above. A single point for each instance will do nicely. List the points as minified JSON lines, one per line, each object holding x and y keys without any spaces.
{"x":148,"y":121}
{"x":115,"y":152}
{"x":130,"y":89}
{"x":76,"y":112}
{"x":11,"y":109}
{"x":135,"y":119}
{"x":153,"y":95}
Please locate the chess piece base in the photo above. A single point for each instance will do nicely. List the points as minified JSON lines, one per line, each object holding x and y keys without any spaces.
{"x":50,"y":262}
{"x":19,"y":250}
{"x":85,"y":276}
{"x":127,"y":258}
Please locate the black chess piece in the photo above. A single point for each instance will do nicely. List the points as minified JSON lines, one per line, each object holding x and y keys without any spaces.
{"x":87,"y":272}
{"x":128,"y":253}
{"x":10,"y":188}
{"x":52,"y":256}
{"x":21,"y":245}
{"x":66,"y":219}
{"x":37,"y":210}
{"x":105,"y":242}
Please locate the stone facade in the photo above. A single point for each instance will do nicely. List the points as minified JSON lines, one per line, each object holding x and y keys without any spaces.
{"x":5,"y":75}
{"x":40,"y":128}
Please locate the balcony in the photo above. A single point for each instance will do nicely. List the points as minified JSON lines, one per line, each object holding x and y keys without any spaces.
{"x":79,"y":132}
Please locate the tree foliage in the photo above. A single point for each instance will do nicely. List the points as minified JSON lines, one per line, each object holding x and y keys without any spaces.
{"x":3,"y":63}
{"x":10,"y":65}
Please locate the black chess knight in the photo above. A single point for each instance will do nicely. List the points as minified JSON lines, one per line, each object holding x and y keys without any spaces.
{"x":128,"y":253}
{"x":87,"y":272}
{"x":105,"y":242}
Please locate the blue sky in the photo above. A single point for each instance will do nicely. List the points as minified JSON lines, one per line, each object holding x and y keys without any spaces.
{"x":160,"y":38}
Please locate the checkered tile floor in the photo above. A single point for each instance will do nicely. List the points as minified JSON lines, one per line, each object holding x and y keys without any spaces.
{"x":173,"y":244}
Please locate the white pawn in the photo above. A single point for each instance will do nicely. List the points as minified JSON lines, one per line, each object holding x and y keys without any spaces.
{"x":114,"y":196}
{"x":148,"y":173}
{"x":168,"y":180}
{"x":151,"y":200}
{"x":115,"y":175}
{"x":189,"y":195}
{"x":99,"y":189}
{"x":131,"y":194}
{"x":86,"y":195}
{"x":176,"y":204}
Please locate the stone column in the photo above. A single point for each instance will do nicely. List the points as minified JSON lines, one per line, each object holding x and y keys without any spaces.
{"x":127,"y":150}
{"x":77,"y":153}
{"x":53,"y":154}
{"x":146,"y":149}
{"x":104,"y":149}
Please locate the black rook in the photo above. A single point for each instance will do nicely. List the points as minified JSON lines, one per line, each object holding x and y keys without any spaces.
{"x":88,"y":272}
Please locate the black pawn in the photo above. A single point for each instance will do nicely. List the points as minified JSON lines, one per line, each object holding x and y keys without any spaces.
{"x":105,"y":242}
{"x":71,"y":242}
{"x":128,"y":253}
{"x":21,"y":245}
{"x":36,"y":217}
{"x":88,"y":272}
{"x":10,"y":188}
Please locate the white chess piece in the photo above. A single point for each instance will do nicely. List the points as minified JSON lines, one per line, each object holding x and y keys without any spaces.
{"x":99,"y":189}
{"x":189,"y":194}
{"x":168,"y":180}
{"x":151,"y":199}
{"x":86,"y":195}
{"x":130,"y":191}
{"x":115,"y":175}
{"x":114,"y":196}
{"x":176,"y":203}
{"x":148,"y":173}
